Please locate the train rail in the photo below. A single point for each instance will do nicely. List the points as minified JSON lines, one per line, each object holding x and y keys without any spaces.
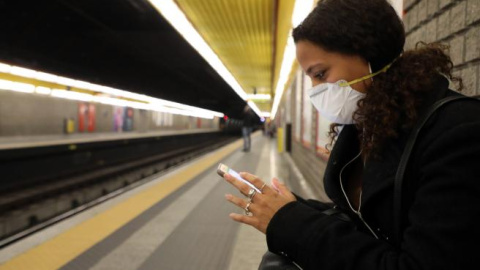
{"x":120,"y":174}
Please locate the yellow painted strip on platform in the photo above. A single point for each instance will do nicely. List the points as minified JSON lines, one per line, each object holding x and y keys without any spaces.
{"x":65,"y":247}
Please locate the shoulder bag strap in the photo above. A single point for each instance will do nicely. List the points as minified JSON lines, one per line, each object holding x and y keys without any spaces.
{"x":397,"y":196}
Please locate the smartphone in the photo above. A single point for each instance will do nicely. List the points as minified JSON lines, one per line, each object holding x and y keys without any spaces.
{"x":223,"y":169}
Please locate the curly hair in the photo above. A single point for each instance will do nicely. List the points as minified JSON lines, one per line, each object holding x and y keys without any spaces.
{"x":373,"y":30}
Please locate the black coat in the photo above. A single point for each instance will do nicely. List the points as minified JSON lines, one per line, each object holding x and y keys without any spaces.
{"x":441,"y":210}
{"x":248,"y":119}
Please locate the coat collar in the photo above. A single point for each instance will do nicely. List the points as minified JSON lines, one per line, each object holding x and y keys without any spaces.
{"x":346,"y":148}
{"x":377,"y":175}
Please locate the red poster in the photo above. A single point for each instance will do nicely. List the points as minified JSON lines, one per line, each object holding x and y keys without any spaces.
{"x":86,"y":117}
{"x":82,"y":109}
{"x":91,"y":118}
{"x":199,"y":122}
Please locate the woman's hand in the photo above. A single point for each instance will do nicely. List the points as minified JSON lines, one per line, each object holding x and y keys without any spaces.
{"x":262,"y":205}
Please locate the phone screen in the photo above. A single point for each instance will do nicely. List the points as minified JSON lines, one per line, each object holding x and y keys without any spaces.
{"x":222,"y":168}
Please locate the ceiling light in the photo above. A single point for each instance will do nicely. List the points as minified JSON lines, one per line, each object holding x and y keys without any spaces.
{"x":301,"y":9}
{"x":151,"y":103}
{"x":5,"y":85}
{"x":5,"y":68}
{"x":60,"y":93}
{"x":65,"y":81}
{"x":24,"y":72}
{"x":166,"y":103}
{"x":46,"y":77}
{"x":17,"y":86}
{"x":43,"y":90}
{"x":287,"y":63}
{"x":81,"y":84}
{"x":172,"y":13}
{"x":111,"y":101}
{"x":254,"y":107}
{"x":23,"y":87}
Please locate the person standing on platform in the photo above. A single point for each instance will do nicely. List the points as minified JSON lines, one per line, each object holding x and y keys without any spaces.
{"x":394,"y":106}
{"x":247,"y":127}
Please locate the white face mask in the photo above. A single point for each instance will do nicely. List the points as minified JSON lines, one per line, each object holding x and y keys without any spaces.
{"x":335,"y":101}
{"x":338,"y":101}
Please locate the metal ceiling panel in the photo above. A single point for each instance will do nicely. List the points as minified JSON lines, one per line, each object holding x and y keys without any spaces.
{"x":241,"y":33}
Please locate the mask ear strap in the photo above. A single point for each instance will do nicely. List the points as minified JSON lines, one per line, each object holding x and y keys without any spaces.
{"x":370,"y":69}
{"x":384,"y":69}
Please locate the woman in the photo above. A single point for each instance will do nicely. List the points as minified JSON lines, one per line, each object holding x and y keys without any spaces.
{"x":353,"y":52}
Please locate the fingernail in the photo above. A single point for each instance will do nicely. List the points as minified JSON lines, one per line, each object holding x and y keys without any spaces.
{"x":228,"y":196}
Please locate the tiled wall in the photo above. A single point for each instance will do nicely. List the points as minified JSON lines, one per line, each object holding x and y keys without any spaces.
{"x":30,"y":115}
{"x":305,"y":157}
{"x":452,"y":22}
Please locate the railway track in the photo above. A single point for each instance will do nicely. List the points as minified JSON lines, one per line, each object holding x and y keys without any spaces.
{"x":101,"y":183}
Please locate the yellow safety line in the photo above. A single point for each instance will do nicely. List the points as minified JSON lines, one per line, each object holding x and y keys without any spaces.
{"x":68,"y":245}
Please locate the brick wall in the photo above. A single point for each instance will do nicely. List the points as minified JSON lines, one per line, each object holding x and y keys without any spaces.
{"x":452,"y":22}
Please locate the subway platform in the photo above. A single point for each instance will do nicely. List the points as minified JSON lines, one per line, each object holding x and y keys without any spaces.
{"x":18,"y":142}
{"x":178,"y":220}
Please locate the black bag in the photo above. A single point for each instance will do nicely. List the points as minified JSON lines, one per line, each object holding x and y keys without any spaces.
{"x":272,"y":261}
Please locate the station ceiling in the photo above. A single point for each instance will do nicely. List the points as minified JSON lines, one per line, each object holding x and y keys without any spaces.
{"x":128,"y":45}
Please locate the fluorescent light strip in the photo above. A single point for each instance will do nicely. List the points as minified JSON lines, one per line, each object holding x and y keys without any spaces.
{"x":17,"y":86}
{"x":254,"y":108}
{"x":287,"y":63}
{"x":172,"y":13}
{"x":5,"y":68}
{"x":24,"y":72}
{"x":46,"y":77}
{"x":155,"y":103}
{"x":43,"y":90}
{"x":71,"y":95}
{"x":300,"y":11}
{"x":60,"y":93}
{"x":65,"y":81}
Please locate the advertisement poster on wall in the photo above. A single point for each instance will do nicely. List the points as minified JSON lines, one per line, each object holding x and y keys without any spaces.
{"x":298,"y":105}
{"x":306,"y":112}
{"x":128,"y":119}
{"x":118,"y":119}
{"x":86,"y":117}
{"x":122,"y":119}
{"x":162,"y":119}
